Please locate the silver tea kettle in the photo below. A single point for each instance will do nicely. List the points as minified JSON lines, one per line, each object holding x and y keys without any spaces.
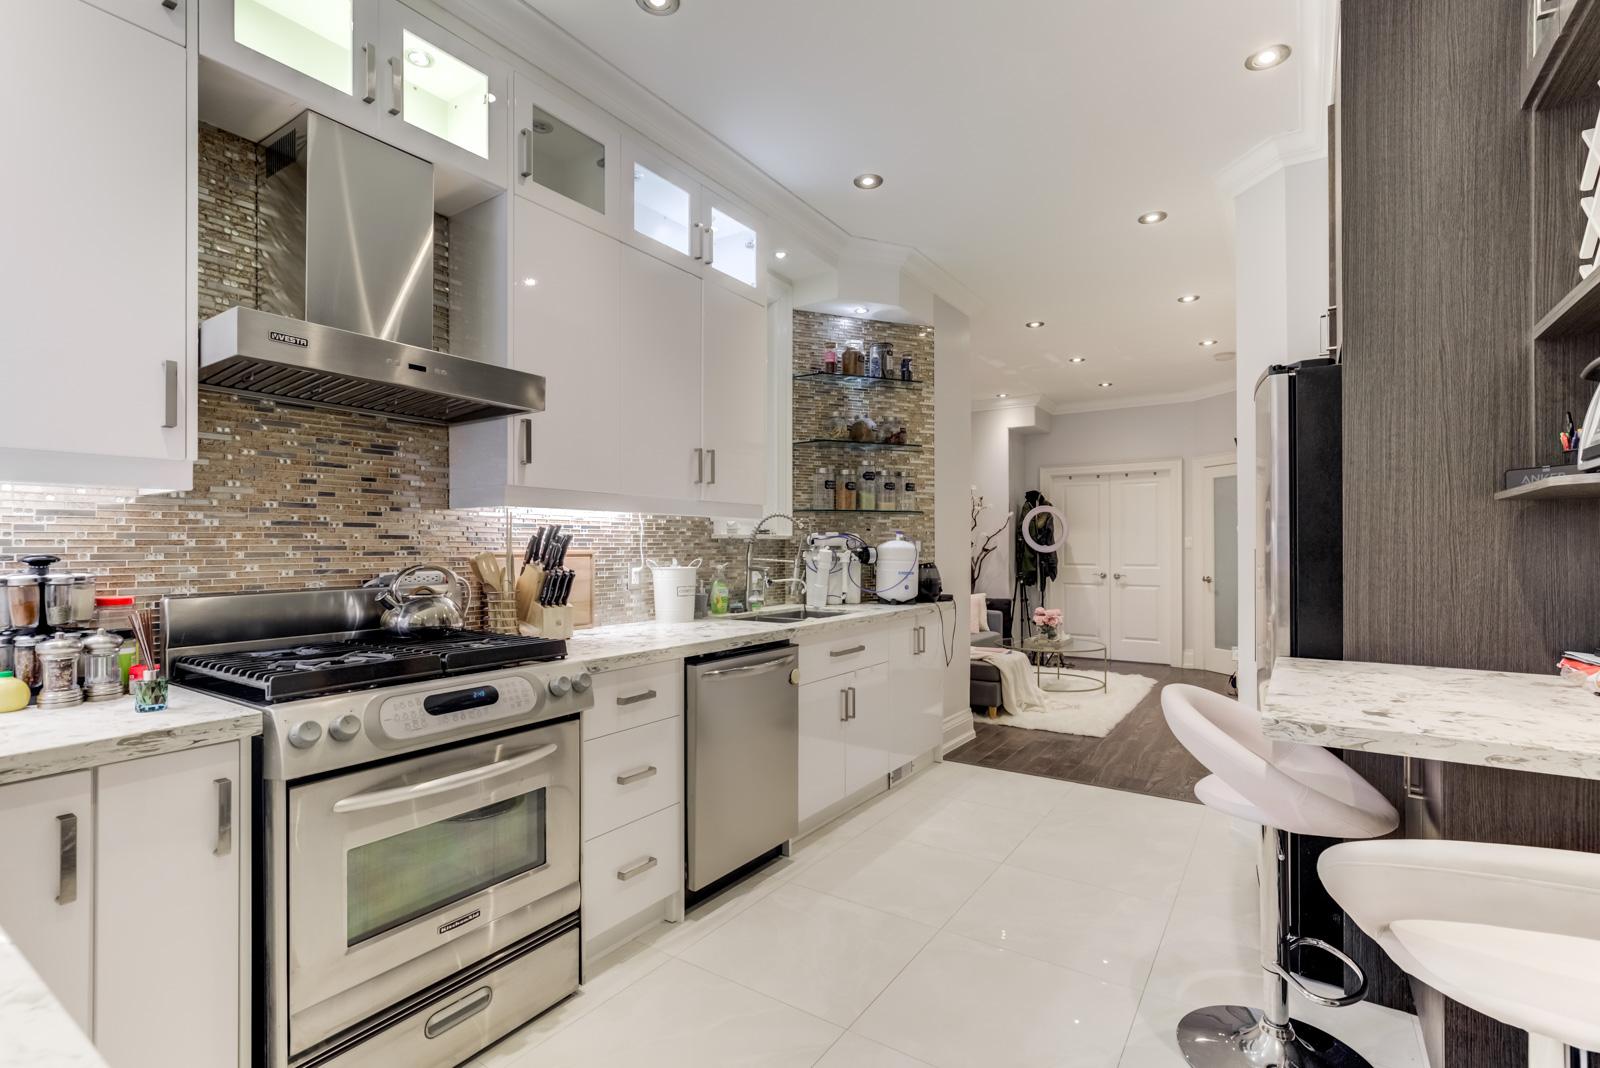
{"x":423,"y":610}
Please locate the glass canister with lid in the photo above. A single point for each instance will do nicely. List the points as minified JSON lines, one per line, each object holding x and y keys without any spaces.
{"x":25,"y":658}
{"x":23,"y":591}
{"x":58,"y":663}
{"x":58,"y":599}
{"x":102,"y":673}
{"x":83,"y":599}
{"x":114,"y":614}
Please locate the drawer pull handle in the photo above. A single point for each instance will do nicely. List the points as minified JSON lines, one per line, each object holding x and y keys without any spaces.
{"x":634,"y":776}
{"x":638,"y":869}
{"x":636,"y":698}
{"x":67,"y":878}
{"x":847,"y":652}
{"x":224,"y":844}
{"x":459,"y":1012}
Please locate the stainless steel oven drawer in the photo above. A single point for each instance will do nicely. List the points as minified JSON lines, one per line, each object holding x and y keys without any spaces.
{"x":457,"y":1024}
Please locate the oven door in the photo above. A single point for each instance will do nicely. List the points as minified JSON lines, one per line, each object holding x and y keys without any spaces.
{"x":403,"y":874}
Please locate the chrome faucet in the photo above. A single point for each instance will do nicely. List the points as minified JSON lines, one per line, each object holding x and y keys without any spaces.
{"x":755,"y":578}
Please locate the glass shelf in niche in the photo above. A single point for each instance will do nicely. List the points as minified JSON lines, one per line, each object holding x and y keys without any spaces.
{"x":856,"y":511}
{"x":855,"y":444}
{"x":859,"y":380}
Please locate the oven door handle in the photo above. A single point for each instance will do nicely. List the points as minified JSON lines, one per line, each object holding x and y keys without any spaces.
{"x":400,"y":794}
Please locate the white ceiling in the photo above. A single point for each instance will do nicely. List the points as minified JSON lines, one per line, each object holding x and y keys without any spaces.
{"x":1018,"y":142}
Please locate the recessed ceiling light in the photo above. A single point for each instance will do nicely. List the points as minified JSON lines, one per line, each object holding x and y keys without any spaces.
{"x":530,"y":281}
{"x":1036,"y":324}
{"x":1002,"y":394}
{"x":1150,"y":218}
{"x":868,"y":181}
{"x":780,"y":254}
{"x":1188,"y":298}
{"x":418,"y":58}
{"x":1076,"y":359}
{"x":1268,"y":57}
{"x":1103,"y":385}
{"x":862,"y":311}
{"x":1208,"y":343}
{"x":659,"y":7}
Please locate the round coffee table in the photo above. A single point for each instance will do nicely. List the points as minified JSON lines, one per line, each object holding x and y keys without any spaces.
{"x":1056,"y":654}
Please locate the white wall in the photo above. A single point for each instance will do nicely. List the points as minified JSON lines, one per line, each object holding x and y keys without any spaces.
{"x":1155,"y":432}
{"x":1281,"y":266}
{"x":952,"y":481}
{"x":998,"y":477}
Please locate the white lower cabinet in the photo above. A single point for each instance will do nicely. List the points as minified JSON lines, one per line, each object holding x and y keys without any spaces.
{"x":844,"y":736}
{"x":167,"y":910}
{"x":128,"y":904}
{"x":916,"y":683}
{"x":630,"y":869}
{"x":47,"y":883}
{"x":866,"y":732}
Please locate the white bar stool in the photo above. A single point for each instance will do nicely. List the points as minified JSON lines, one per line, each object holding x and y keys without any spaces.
{"x":1289,"y":790}
{"x":1511,"y":931}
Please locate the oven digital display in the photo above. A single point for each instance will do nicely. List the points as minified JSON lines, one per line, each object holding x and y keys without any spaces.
{"x":442,"y":704}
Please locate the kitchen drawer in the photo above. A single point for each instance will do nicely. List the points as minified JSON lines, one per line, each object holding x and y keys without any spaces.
{"x":635,"y":696}
{"x":843,"y":653}
{"x":609,"y":899}
{"x":650,"y":756}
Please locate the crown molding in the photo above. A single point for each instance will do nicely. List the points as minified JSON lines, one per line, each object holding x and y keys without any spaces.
{"x":994,"y":404}
{"x":1147,"y":401}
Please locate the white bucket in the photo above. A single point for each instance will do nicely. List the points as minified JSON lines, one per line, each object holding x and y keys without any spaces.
{"x":674,"y":591}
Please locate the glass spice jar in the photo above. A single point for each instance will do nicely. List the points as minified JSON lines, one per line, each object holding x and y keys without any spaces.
{"x":58,"y":600}
{"x":102,"y":673}
{"x":6,"y":652}
{"x":114,"y":614}
{"x":58,"y":662}
{"x":83,"y":599}
{"x":25,"y":660}
{"x":22,"y":596}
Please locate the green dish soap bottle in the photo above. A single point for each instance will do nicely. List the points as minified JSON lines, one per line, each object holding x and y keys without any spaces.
{"x":719,"y":593}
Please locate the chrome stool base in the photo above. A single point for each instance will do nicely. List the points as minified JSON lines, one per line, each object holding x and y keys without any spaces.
{"x":1232,"y":1036}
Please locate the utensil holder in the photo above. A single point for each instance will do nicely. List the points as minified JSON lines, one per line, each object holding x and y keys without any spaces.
{"x":499,"y":612}
{"x":552,"y":621}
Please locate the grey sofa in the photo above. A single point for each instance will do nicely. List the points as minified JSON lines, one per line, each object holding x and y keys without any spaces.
{"x":985,"y":684}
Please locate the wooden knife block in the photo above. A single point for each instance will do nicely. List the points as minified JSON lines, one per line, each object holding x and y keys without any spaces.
{"x":551,"y":621}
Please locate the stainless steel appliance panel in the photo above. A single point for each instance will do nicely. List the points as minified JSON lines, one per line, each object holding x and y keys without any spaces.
{"x":742,"y":728}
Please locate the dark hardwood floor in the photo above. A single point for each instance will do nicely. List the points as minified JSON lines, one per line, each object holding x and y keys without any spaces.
{"x":1140,"y":754}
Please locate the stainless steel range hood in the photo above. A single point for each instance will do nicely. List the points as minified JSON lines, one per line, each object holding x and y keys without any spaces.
{"x":345,"y":230}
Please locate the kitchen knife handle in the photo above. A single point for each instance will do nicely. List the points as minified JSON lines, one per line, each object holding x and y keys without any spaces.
{"x":67,"y":879}
{"x":397,"y":88}
{"x":372,"y":73}
{"x":527,"y":442}
{"x":169,"y":371}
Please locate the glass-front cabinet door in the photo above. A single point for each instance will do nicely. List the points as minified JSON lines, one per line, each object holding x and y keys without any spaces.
{"x":441,"y":98}
{"x":322,"y":53}
{"x":564,"y":157}
{"x":734,"y":250}
{"x":663,"y":209}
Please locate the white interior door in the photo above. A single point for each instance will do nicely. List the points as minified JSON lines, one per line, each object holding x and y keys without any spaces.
{"x":1083,"y":564}
{"x":1219,"y":564}
{"x":1141,"y":533}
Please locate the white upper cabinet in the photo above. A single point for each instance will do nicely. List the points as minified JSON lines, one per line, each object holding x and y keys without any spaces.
{"x":733,"y":390}
{"x":734,"y":247}
{"x":127,"y":372}
{"x":660,"y":395}
{"x":663,"y":209}
{"x":442,"y":99}
{"x":565,"y":158}
{"x":165,"y":17}
{"x":323,"y":53}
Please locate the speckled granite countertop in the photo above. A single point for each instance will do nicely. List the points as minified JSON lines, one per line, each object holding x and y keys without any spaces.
{"x":35,"y":743}
{"x":1498,"y":719}
{"x":626,"y":645}
{"x":35,"y":1030}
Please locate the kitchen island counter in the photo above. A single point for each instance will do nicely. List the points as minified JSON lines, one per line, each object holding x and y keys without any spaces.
{"x":38,"y":1030}
{"x":1497,"y":719}
{"x":36,"y":742}
{"x":626,"y":645}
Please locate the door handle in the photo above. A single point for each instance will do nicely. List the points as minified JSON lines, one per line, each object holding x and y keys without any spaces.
{"x":527,"y":442}
{"x":1100,"y":574}
{"x":399,"y":794}
{"x":527,"y":153}
{"x":1205,"y":578}
{"x":1117,"y":575}
{"x":169,"y":371}
{"x":638,"y":869}
{"x":397,"y":88}
{"x":67,"y":879}
{"x":699,"y":466}
{"x":630,"y":777}
{"x":634,"y":699}
{"x":847,"y":652}
{"x":712,"y":481}
{"x":224,"y":844}
{"x":751,"y":669}
{"x":372,"y":73}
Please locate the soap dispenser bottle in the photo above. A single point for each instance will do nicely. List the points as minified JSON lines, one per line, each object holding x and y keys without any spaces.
{"x":719,"y":592}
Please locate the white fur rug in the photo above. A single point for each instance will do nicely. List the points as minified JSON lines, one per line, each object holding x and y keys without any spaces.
{"x":1089,"y":714}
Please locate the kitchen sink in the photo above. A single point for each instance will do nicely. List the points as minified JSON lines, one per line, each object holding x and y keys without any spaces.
{"x":791,"y":615}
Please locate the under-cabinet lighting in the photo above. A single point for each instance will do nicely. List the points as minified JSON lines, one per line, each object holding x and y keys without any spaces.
{"x":1268,"y":57}
{"x":1150,"y":218}
{"x":419,"y":58}
{"x":868,"y":181}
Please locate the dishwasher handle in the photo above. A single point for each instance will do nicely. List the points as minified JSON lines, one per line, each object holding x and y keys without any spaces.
{"x":751,"y":669}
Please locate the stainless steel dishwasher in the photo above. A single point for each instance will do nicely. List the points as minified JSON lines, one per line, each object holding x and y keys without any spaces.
{"x":742,"y":738}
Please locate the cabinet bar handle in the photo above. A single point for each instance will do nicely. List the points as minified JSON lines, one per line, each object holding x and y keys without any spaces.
{"x":713,"y":479}
{"x":397,"y":88}
{"x":372,"y":73}
{"x":527,"y":153}
{"x":527,"y":442}
{"x":844,"y":704}
{"x":169,"y":371}
{"x":67,"y":886}
{"x":852,"y":702}
{"x":170,"y":5}
{"x":847,"y":652}
{"x":699,"y":466}
{"x":638,"y":869}
{"x":699,"y":249}
{"x":634,"y":776}
{"x":710,"y":244}
{"x":636,"y":698}
{"x":224,"y":817}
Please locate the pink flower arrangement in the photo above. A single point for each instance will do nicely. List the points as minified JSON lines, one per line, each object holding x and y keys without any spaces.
{"x":1047,"y":620}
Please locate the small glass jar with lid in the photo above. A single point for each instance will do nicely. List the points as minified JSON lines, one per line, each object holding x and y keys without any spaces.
{"x":6,"y":661}
{"x":58,"y":600}
{"x":102,"y":674}
{"x":114,"y":614}
{"x":22,"y":597}
{"x":25,"y":660}
{"x":58,"y":663}
{"x":83,"y":599}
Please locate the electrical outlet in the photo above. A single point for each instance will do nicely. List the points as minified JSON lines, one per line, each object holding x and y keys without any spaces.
{"x":636,"y":577}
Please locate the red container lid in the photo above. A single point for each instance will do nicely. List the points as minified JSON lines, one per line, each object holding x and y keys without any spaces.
{"x":100,"y":601}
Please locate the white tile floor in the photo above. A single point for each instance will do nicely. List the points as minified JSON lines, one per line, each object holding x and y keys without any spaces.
{"x":969,"y":918}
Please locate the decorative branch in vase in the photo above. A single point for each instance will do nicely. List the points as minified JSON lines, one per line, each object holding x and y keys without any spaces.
{"x":981,"y":553}
{"x":1048,"y":620}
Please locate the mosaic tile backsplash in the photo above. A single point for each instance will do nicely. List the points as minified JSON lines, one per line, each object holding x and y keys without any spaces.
{"x":289,"y":497}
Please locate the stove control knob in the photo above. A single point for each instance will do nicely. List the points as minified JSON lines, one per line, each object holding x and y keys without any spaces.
{"x":344,"y":728}
{"x":304,"y":735}
{"x":581,"y":682}
{"x":559,"y":686}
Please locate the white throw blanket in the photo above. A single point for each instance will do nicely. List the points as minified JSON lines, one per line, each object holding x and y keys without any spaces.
{"x":1017,"y":686}
{"x":1091,"y":713}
